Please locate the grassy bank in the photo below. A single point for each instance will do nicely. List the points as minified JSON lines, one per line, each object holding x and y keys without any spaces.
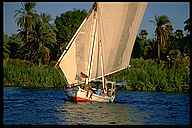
{"x":147,"y":75}
{"x":24,"y":74}
{"x":144,"y":75}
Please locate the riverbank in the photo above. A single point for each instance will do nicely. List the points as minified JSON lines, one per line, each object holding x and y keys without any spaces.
{"x":25,"y":74}
{"x":143,"y":75}
{"x":147,"y":75}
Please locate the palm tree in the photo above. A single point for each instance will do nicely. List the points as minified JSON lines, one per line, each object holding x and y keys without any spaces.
{"x":137,"y":49}
{"x":14,"y":43}
{"x":188,"y":25}
{"x":188,"y":37}
{"x":44,"y":38}
{"x":25,"y":19}
{"x":48,"y":38}
{"x":188,"y":28}
{"x":179,"y":34}
{"x":143,"y":38}
{"x":149,"y":50}
{"x":179,"y":42}
{"x":162,"y":31}
{"x":143,"y":35}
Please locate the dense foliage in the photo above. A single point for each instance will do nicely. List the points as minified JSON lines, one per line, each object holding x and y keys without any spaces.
{"x":39,"y":40}
{"x":145,"y":75}
{"x":67,"y":24}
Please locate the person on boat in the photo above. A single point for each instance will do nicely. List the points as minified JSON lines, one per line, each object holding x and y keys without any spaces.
{"x":87,"y":86}
{"x":98,"y":90}
{"x":89,"y":90}
{"x":83,"y":75}
{"x":68,"y":86}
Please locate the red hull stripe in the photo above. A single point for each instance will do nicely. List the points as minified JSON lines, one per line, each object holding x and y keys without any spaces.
{"x":79,"y":99}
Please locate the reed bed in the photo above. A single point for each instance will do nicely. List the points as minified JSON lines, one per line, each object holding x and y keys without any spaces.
{"x":147,"y":75}
{"x":144,"y":75}
{"x":25,"y":74}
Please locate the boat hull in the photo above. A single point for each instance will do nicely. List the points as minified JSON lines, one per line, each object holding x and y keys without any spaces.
{"x":80,"y":95}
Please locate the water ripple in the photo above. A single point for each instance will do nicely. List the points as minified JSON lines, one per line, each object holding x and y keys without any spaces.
{"x":25,"y":106}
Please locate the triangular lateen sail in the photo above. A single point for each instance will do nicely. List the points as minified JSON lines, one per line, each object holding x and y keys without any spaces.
{"x":76,"y":58}
{"x":117,"y":26}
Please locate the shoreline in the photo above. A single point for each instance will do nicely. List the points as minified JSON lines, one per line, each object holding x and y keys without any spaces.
{"x":58,"y":88}
{"x":144,"y":75}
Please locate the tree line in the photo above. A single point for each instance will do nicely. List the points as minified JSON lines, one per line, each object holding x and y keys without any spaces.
{"x":37,"y":40}
{"x":41,"y":42}
{"x":168,"y":45}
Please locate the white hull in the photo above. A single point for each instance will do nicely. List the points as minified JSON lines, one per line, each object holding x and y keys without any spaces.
{"x":80,"y":95}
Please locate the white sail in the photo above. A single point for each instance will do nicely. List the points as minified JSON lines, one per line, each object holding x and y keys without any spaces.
{"x":76,"y":58}
{"x":118,"y":24}
{"x":114,"y":32}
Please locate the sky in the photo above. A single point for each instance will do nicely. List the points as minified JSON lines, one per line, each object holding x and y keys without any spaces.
{"x":178,"y":12}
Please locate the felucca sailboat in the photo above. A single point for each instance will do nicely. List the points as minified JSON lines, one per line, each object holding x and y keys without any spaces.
{"x":101,"y":46}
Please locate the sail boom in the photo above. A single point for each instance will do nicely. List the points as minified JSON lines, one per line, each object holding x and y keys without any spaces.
{"x":109,"y":73}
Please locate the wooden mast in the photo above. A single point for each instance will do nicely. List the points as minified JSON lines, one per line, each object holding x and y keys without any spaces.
{"x":92,"y":43}
{"x":102,"y":67}
{"x":91,"y":53}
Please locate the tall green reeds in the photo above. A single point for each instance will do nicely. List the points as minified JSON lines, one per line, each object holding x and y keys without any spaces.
{"x":142,"y":75}
{"x":22,"y":73}
{"x":148,"y":75}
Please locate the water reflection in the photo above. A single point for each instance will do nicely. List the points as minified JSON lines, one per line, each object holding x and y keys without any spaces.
{"x":99,"y":113}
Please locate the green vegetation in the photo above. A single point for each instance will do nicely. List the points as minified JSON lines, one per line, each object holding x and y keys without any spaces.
{"x":39,"y":40}
{"x":146,"y":75}
{"x":159,"y":63}
{"x":66,"y":25}
{"x":25,"y":74}
{"x":143,"y":75}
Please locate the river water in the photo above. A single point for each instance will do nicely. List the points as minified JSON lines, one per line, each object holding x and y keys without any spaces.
{"x":49,"y":106}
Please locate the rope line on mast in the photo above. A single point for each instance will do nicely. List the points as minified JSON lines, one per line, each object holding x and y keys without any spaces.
{"x":92,"y":44}
{"x":101,"y":49}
